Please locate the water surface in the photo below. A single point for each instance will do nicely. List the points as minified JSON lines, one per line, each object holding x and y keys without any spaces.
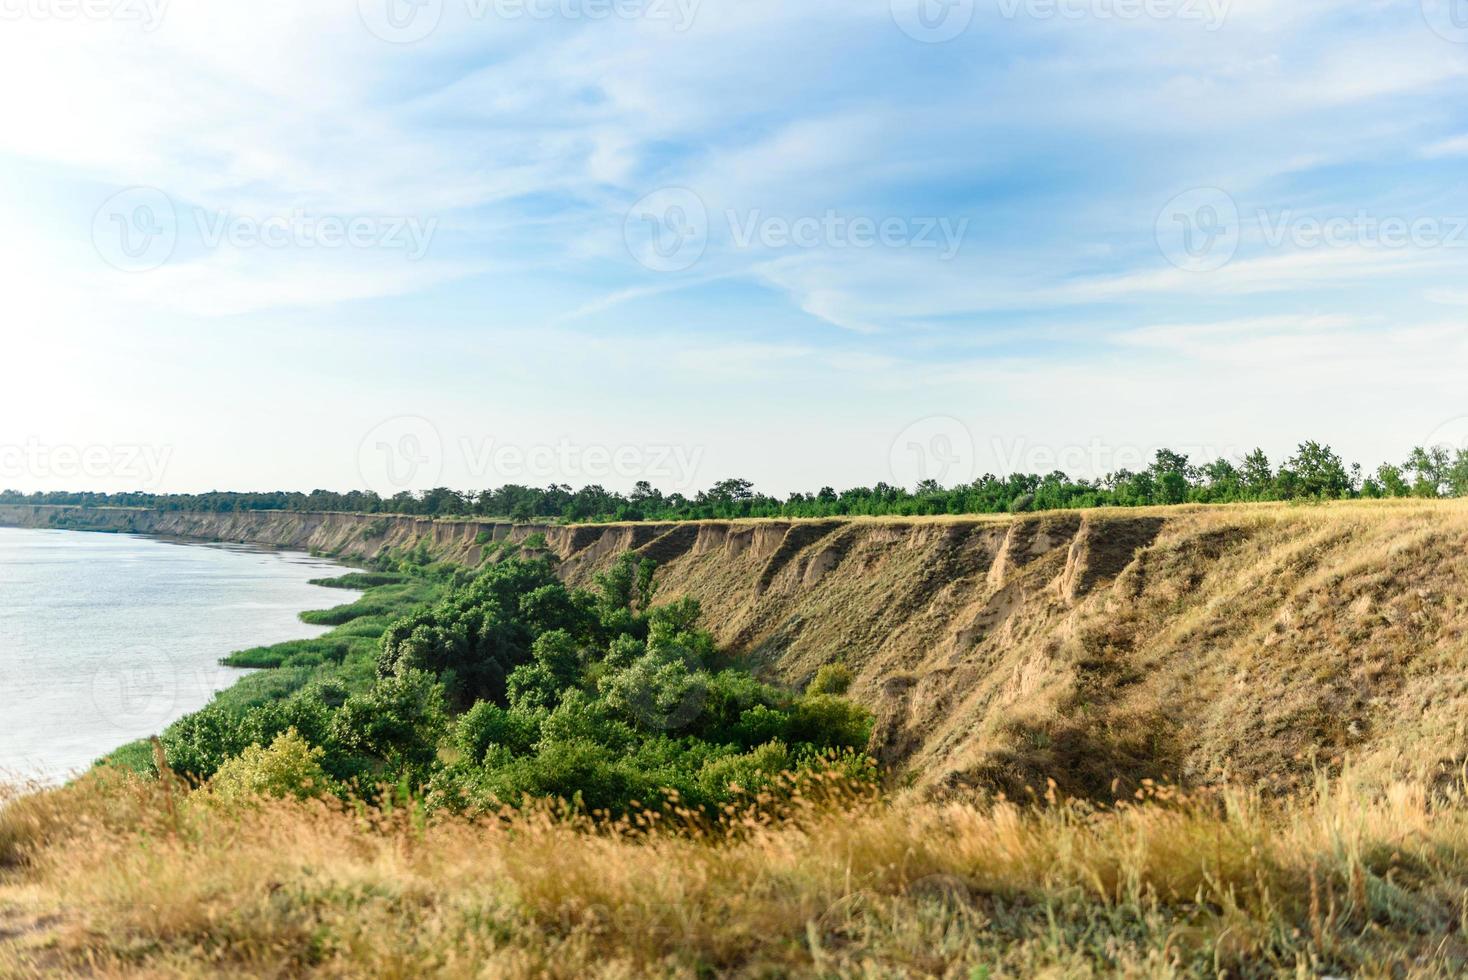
{"x":106,"y":638}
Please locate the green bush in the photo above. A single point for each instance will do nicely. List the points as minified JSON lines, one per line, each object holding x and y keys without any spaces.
{"x":486,"y":725}
{"x":588,"y":696}
{"x":830,"y":679}
{"x":290,"y":767}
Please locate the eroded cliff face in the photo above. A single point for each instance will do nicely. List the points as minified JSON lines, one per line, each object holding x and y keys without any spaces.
{"x":1190,"y":644}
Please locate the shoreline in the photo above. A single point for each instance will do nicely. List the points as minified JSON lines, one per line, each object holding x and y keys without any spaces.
{"x":113,"y":680}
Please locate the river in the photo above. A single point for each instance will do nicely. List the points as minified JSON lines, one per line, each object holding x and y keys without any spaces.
{"x":106,"y":638}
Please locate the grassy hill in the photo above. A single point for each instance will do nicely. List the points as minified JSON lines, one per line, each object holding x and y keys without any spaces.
{"x":1184,"y":741}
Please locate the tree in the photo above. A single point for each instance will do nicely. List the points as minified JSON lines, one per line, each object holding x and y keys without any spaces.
{"x":399,"y":721}
{"x":1257,"y":475}
{"x":732,"y":490}
{"x":1224,"y":481}
{"x":1458,"y":475}
{"x":1319,"y":472}
{"x":1431,"y":468}
{"x":1173,"y":476}
{"x":1392,"y":483}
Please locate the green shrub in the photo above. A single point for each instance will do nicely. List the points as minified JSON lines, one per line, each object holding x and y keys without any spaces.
{"x":359,"y":580}
{"x":290,"y":767}
{"x":595,"y":699}
{"x":486,"y":725}
{"x":745,"y":774}
{"x":830,"y":679}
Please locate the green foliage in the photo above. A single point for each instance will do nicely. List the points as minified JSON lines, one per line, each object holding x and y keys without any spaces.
{"x":594,"y":697}
{"x":603,"y":702}
{"x":487,"y":726}
{"x":377,"y":528}
{"x":133,"y":757}
{"x":360,"y":580}
{"x":304,"y":685}
{"x":397,"y":723}
{"x":1318,"y":472}
{"x":290,"y":767}
{"x":830,"y":679}
{"x":1313,"y":472}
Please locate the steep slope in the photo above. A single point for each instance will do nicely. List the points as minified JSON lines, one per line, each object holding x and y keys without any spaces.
{"x":1187,"y":643}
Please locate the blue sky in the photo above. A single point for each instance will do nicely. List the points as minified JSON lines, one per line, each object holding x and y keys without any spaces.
{"x":377,"y":244}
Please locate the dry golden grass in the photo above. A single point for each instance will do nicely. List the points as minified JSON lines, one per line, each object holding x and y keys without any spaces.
{"x":116,"y":878}
{"x":1256,"y":645}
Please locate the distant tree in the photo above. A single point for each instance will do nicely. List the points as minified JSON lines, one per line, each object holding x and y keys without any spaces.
{"x":1430,"y":468}
{"x":1223,"y":481}
{"x":733,"y":490}
{"x":1172,"y":475}
{"x":1257,"y":475}
{"x":1392,"y":483}
{"x":1318,"y":472}
{"x":1458,"y":474}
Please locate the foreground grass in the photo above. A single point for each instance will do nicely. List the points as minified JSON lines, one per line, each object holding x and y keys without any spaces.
{"x":124,"y":877}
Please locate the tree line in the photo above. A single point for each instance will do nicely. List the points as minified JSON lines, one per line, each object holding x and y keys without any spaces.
{"x":1314,"y":472}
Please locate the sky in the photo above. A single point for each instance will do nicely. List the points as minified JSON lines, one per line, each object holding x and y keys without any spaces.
{"x":392,"y":244}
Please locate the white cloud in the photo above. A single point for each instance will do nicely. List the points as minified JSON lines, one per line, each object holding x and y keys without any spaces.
{"x":1454,"y":147}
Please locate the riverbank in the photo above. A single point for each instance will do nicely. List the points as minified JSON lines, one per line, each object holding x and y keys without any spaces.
{"x":111,"y":638}
{"x":1193,"y":643}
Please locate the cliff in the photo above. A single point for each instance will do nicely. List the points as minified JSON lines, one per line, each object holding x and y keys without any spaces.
{"x":1182,"y":643}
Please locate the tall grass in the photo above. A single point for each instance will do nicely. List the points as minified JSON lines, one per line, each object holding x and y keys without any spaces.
{"x":146,"y":882}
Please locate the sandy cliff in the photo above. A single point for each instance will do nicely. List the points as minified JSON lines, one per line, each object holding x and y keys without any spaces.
{"x":1188,"y":643}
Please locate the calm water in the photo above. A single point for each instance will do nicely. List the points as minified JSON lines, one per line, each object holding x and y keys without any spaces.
{"x":107,"y":638}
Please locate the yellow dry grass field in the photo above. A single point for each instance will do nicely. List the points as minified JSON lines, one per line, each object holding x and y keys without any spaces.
{"x":117,"y":879}
{"x":1224,"y":741}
